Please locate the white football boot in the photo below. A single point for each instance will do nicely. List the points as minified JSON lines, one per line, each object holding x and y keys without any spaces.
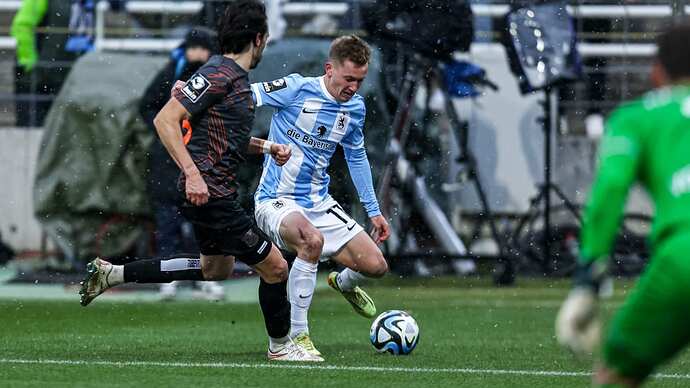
{"x":168,"y":291}
{"x":213,"y":291}
{"x":96,"y":280}
{"x":290,"y":351}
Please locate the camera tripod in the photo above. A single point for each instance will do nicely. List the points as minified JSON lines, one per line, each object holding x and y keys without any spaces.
{"x":544,"y":192}
{"x":400,"y":172}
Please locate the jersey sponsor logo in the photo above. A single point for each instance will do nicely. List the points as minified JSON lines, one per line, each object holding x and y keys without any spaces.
{"x":278,"y":204}
{"x":272,"y":86}
{"x":310,"y":140}
{"x":196,"y":87}
{"x":309,"y":111}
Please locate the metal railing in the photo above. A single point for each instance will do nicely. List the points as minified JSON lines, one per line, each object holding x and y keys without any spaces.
{"x":656,"y":11}
{"x":626,"y":45}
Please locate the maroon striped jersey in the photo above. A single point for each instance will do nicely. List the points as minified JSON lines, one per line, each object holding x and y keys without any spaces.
{"x":219,"y":100}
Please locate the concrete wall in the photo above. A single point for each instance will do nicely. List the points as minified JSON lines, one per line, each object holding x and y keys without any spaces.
{"x":505,"y":136}
{"x":18,"y":157}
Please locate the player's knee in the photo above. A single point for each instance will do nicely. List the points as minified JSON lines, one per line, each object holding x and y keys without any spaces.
{"x":379,"y":267}
{"x":277,"y":272}
{"x":312,"y":244}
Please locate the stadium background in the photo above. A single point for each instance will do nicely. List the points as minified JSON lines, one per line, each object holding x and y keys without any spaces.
{"x":472,"y":333}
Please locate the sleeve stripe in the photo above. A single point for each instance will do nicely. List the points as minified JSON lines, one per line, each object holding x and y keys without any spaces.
{"x":257,"y":95}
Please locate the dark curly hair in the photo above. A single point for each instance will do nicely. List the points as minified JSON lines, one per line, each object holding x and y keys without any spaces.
{"x":242,"y":21}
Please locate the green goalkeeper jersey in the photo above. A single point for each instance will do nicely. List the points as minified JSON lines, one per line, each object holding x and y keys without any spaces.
{"x":646,"y":141}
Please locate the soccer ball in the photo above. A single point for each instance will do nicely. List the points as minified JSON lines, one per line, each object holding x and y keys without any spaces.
{"x":395,"y":332}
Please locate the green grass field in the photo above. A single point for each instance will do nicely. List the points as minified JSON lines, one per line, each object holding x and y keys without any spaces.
{"x":472,"y":335}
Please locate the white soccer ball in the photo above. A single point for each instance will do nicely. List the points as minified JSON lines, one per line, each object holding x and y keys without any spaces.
{"x":395,"y":332}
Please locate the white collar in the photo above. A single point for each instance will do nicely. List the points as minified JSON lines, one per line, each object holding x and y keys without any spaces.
{"x":325,"y":91}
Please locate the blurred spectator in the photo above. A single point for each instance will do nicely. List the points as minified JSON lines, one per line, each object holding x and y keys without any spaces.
{"x":173,"y":233}
{"x":42,"y":63}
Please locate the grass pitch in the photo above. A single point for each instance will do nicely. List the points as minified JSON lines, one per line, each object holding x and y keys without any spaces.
{"x":472,"y":335}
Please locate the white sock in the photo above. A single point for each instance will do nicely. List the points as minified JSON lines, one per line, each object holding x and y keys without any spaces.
{"x":274,"y":343}
{"x":348,"y":279}
{"x":301,"y":285}
{"x":116,"y":276}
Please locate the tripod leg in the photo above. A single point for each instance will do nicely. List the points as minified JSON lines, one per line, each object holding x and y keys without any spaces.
{"x":526,"y":219}
{"x":401,"y":122}
{"x":568,"y":204}
{"x":504,"y":271}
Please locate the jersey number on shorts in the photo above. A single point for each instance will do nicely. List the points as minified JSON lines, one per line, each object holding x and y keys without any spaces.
{"x":340,"y":214}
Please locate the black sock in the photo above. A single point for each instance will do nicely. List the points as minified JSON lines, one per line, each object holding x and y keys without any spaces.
{"x":276,"y":308}
{"x":166,"y":270}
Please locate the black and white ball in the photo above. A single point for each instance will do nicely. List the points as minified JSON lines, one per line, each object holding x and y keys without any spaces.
{"x":395,"y":332}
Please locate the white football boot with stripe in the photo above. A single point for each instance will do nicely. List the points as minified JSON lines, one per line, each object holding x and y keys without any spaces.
{"x":96,"y":280}
{"x":290,"y":351}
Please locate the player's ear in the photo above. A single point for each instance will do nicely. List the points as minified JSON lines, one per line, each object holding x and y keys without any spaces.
{"x":260,"y":39}
{"x":328,"y":68}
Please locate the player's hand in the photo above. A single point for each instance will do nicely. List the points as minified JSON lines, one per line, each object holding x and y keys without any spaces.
{"x":196,"y":189}
{"x":381,"y":231}
{"x":578,"y":327}
{"x":178,"y":85}
{"x":281,"y":153}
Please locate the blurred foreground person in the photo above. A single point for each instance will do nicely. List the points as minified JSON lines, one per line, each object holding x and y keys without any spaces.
{"x":217,"y":100}
{"x":646,"y":141}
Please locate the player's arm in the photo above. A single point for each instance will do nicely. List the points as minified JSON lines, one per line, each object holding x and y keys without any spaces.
{"x":280,"y":152}
{"x":200,"y":92}
{"x":577,"y":326}
{"x":360,"y":173}
{"x":28,"y":16}
{"x":167,"y":123}
{"x":278,"y":93}
{"x":618,"y":165}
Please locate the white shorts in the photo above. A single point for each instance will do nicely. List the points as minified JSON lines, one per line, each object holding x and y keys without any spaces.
{"x":336,"y":226}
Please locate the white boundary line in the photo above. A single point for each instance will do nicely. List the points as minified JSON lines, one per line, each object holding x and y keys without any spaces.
{"x":319,"y":367}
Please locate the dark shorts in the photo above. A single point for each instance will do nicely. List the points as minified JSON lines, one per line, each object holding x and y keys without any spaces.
{"x":222,"y":227}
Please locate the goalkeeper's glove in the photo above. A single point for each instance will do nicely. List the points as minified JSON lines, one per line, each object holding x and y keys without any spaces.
{"x":578,"y":327}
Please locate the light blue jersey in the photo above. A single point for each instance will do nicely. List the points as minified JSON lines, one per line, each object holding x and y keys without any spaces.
{"x":309,"y":119}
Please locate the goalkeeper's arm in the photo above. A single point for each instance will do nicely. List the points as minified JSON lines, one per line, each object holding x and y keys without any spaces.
{"x":577,"y":326}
